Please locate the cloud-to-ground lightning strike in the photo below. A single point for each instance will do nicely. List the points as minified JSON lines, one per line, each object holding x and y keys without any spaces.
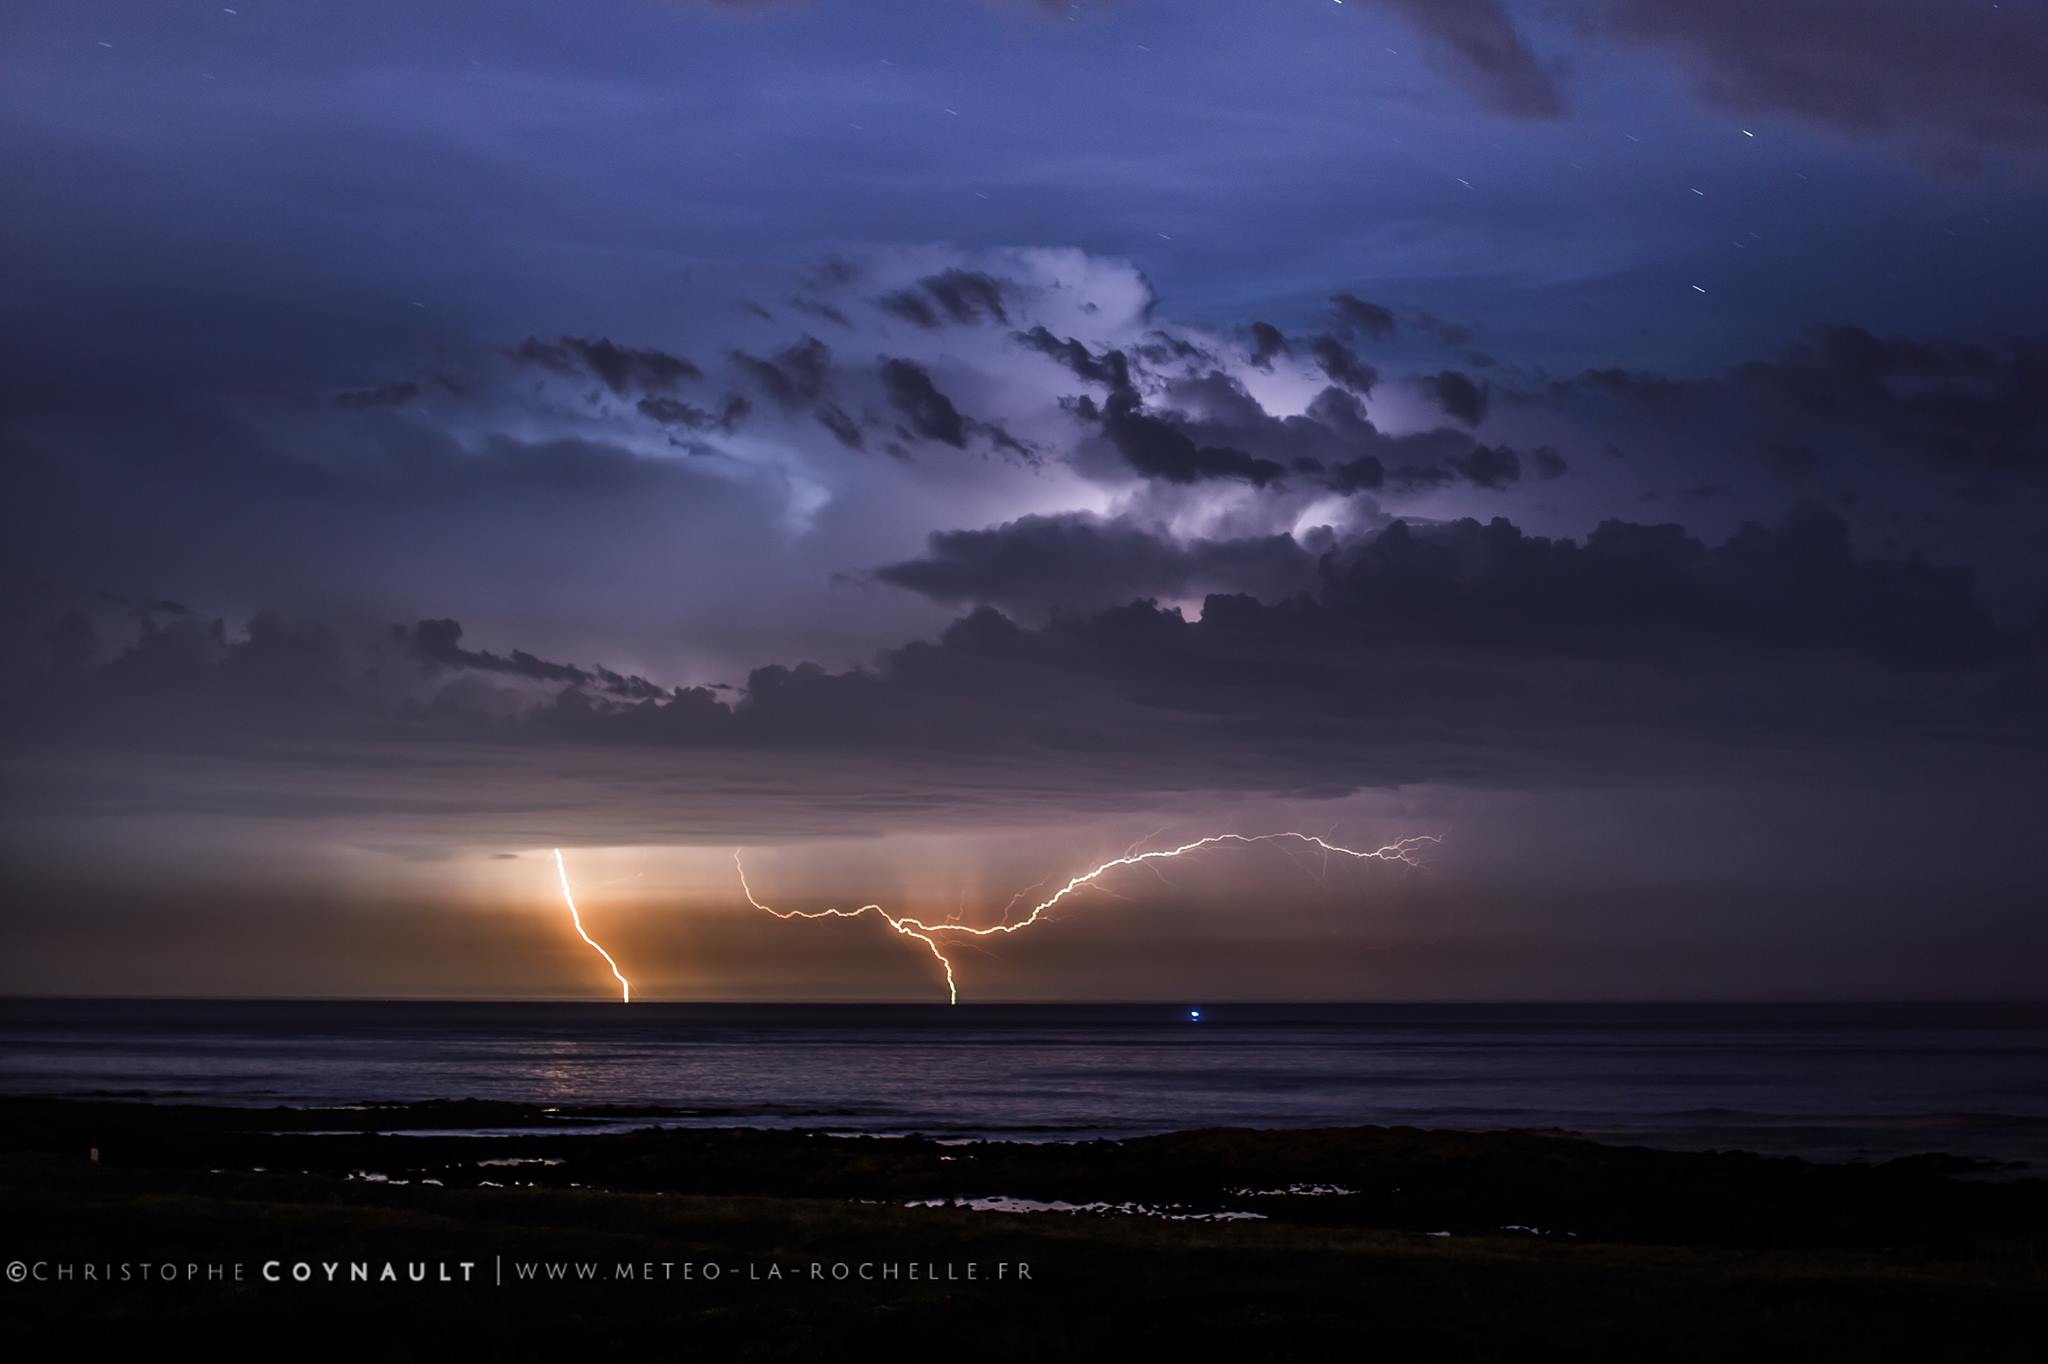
{"x":569,"y":898}
{"x":1402,"y":851}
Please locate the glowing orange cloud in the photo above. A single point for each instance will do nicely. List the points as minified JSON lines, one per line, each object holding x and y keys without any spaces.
{"x":568,"y":898}
{"x":1402,"y":851}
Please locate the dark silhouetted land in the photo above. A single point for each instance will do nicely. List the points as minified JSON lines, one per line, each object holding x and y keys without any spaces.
{"x":1556,"y":1246}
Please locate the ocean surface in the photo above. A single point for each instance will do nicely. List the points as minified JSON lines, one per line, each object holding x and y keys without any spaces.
{"x":1828,"y":1081}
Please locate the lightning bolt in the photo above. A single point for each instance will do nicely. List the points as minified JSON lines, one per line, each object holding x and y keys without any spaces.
{"x":1402,"y":851}
{"x":909,"y":928}
{"x":569,"y":899}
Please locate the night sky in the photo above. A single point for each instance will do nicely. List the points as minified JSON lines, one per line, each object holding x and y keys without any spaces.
{"x":938,"y":446}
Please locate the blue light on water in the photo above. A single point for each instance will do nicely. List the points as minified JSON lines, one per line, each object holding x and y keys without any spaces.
{"x":1194,"y":1015}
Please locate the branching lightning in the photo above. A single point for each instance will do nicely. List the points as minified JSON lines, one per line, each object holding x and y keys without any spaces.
{"x":1402,"y":851}
{"x":909,"y":928}
{"x":569,"y":898}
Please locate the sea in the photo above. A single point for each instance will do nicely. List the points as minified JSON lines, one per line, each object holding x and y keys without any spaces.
{"x":1830,"y":1082}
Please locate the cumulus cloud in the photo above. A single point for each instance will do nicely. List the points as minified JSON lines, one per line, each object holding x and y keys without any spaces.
{"x":437,"y":644}
{"x":1342,"y":367}
{"x":1354,"y":314}
{"x":1548,"y":463}
{"x":1488,"y":466}
{"x":622,"y":369}
{"x":931,"y":414}
{"x":1207,"y":426}
{"x":1459,"y":651}
{"x":1267,"y":343}
{"x":1039,"y":564}
{"x":1151,"y":460}
{"x":1111,"y":368}
{"x":961,"y":297}
{"x":796,"y":376}
{"x":1160,"y":448}
{"x":675,"y":412}
{"x":1967,"y":407}
{"x":1459,"y":397}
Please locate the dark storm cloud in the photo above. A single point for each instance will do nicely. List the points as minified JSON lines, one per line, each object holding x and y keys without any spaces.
{"x":1267,"y":342}
{"x":1968,"y":77}
{"x":1002,"y":440}
{"x":676,"y":412}
{"x":1458,"y":396}
{"x":1111,"y":368}
{"x":1207,"y":426}
{"x":1354,"y":314}
{"x":1477,"y":44}
{"x":1488,"y":466}
{"x":1796,"y":588}
{"x":630,"y":687}
{"x":931,"y":414}
{"x":219,"y":286}
{"x":962,"y":297}
{"x":438,"y":644}
{"x":146,"y":608}
{"x":796,"y":376}
{"x":1421,"y":478}
{"x":1450,"y":333}
{"x":911,"y":307}
{"x":1622,"y":383}
{"x":1968,"y":81}
{"x":843,"y":427}
{"x":1548,"y":463}
{"x":1966,"y":407}
{"x":823,"y":311}
{"x":1459,"y":651}
{"x":1340,"y":366}
{"x":621,"y":369}
{"x":1360,"y":475}
{"x":358,"y":513}
{"x":1037,"y":564}
{"x":834,"y":272}
{"x":1164,"y":348}
{"x":1159,"y":448}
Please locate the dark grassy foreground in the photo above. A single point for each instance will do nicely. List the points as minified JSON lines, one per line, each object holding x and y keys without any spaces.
{"x":1672,"y":1256}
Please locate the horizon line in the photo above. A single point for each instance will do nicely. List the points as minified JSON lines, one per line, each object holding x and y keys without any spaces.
{"x":1205,"y":1002}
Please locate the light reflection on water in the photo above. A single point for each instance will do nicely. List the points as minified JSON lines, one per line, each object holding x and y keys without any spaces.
{"x":1833,"y":1081}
